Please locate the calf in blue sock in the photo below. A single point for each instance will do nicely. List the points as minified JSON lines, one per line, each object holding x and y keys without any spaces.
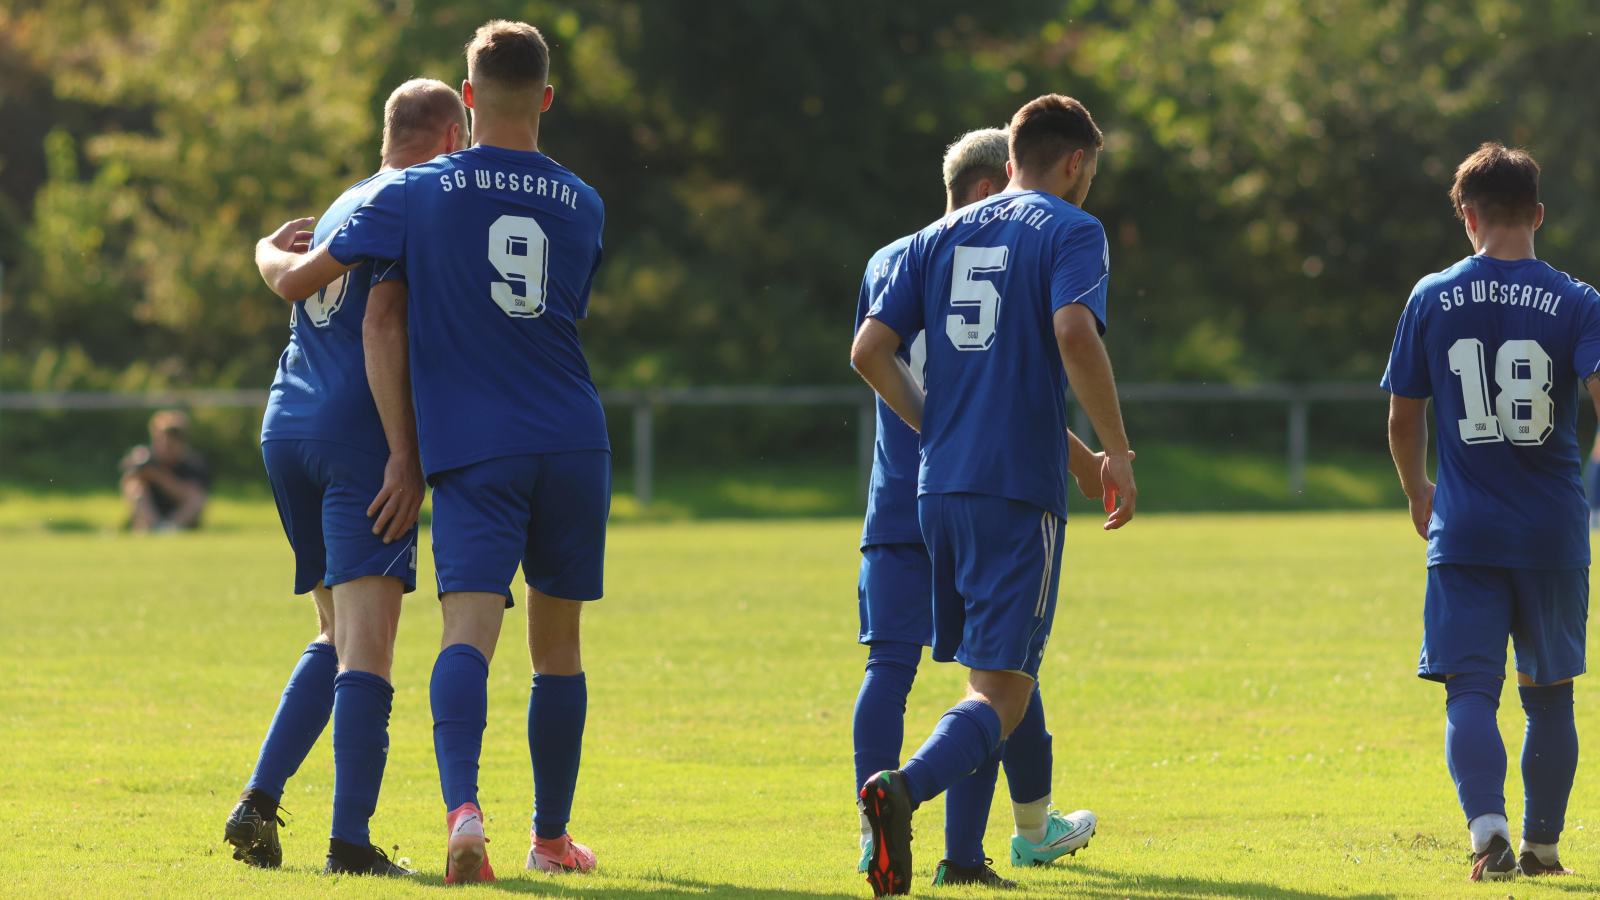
{"x":1474,"y":751}
{"x":1549,"y":764}
{"x":302,"y":714}
{"x":557,"y":707}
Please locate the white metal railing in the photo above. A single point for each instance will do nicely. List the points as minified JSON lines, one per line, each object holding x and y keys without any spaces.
{"x":1296,"y":399}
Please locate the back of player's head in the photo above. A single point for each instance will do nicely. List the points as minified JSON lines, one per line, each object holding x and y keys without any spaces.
{"x":508,"y":55}
{"x":1499,"y":183}
{"x":973,"y":157}
{"x":1050,"y":127}
{"x":419,"y":112}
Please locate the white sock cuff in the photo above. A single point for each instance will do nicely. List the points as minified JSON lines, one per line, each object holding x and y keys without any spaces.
{"x":1485,"y":827}
{"x":1545,"y":852}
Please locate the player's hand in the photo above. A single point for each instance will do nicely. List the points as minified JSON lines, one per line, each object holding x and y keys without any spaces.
{"x":284,"y":238}
{"x":1118,"y":492}
{"x":1088,"y":477}
{"x":301,"y":242}
{"x":1421,"y":509}
{"x":394,"y":511}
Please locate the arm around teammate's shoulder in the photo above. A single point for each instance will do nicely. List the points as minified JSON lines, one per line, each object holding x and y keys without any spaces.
{"x":289,"y":268}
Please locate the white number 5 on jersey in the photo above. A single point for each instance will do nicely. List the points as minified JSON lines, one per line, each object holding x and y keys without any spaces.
{"x":967,"y":292}
{"x":520,"y":252}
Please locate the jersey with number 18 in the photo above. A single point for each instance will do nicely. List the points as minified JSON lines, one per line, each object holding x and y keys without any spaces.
{"x":985,"y":282}
{"x":499,"y":248}
{"x":1501,"y":346}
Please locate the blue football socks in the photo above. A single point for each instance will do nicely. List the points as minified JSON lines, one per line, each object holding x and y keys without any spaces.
{"x":966,"y":813}
{"x":1027,"y":755}
{"x":1472,"y":746}
{"x":361,"y":702}
{"x":302,"y":714}
{"x":880,"y":718}
{"x":459,"y":695}
{"x":1549,"y":760}
{"x":557,"y":706}
{"x":962,"y":741}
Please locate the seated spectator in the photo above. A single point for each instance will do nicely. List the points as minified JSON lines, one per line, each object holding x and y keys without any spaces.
{"x":165,"y":483}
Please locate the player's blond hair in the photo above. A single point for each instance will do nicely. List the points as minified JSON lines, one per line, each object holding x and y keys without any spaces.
{"x":981,"y":153}
{"x":511,"y":55}
{"x":421,"y":110}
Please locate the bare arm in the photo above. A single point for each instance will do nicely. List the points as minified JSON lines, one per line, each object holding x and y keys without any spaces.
{"x":383,"y":338}
{"x":295,"y":275}
{"x":1408,"y":444}
{"x":1089,"y":370}
{"x":873,"y":356}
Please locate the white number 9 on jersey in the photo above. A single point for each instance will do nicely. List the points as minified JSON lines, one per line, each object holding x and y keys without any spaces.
{"x":965,"y":291}
{"x":519,"y":251}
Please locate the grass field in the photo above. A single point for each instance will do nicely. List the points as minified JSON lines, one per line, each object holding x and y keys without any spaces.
{"x":1232,"y":694}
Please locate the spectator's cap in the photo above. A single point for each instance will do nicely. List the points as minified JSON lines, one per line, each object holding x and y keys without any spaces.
{"x":169,"y":421}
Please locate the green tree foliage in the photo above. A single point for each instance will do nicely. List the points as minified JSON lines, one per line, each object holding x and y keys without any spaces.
{"x":1273,"y":184}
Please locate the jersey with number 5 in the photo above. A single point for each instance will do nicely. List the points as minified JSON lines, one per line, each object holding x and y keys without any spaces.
{"x":499,"y":250}
{"x":1501,"y":346}
{"x":985,"y":283}
{"x":320,"y":392}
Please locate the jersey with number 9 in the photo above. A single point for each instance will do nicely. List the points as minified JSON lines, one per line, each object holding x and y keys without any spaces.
{"x":498,"y":249}
{"x":986,"y":282}
{"x":1501,"y":346}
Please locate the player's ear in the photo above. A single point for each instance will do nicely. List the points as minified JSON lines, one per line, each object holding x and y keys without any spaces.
{"x":466,"y":93}
{"x":549,"y":96}
{"x":1009,"y":174}
{"x":1538,"y":216}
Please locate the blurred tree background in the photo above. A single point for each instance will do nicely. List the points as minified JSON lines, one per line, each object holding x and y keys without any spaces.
{"x":1274,"y":180}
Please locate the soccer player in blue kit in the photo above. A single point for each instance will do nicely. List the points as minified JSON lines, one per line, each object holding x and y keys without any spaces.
{"x":339,"y":442}
{"x":1500,"y":342}
{"x":1014,"y":290}
{"x":895,"y":596}
{"x":498,"y":245}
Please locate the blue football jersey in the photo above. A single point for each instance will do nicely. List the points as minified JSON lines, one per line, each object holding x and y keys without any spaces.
{"x":892,"y":494}
{"x":986,"y":282}
{"x":1501,"y":347}
{"x":320,"y":391}
{"x":499,"y":249}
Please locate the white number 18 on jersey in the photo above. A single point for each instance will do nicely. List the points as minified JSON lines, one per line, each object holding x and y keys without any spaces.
{"x":1523,"y":411}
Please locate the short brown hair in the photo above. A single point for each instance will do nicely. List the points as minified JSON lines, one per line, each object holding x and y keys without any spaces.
{"x":1502,"y":184}
{"x":422,"y":109}
{"x":509,"y":54}
{"x":1048,"y":128}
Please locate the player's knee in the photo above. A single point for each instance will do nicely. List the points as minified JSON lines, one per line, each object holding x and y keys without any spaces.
{"x":554,"y":634}
{"x":1007,"y":693}
{"x":322,"y":598}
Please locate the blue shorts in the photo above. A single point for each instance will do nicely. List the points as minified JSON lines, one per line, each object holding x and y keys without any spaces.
{"x":995,"y":567}
{"x":323,"y":490}
{"x":895,"y":594}
{"x":546,"y":511}
{"x":1471,"y":610}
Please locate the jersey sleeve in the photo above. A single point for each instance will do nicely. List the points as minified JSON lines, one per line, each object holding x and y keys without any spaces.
{"x":1081,"y":269}
{"x":388,"y":270}
{"x":899,"y":304}
{"x":377,"y":229}
{"x":1586,"y":352}
{"x":1407,"y":374}
{"x":599,"y":254}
